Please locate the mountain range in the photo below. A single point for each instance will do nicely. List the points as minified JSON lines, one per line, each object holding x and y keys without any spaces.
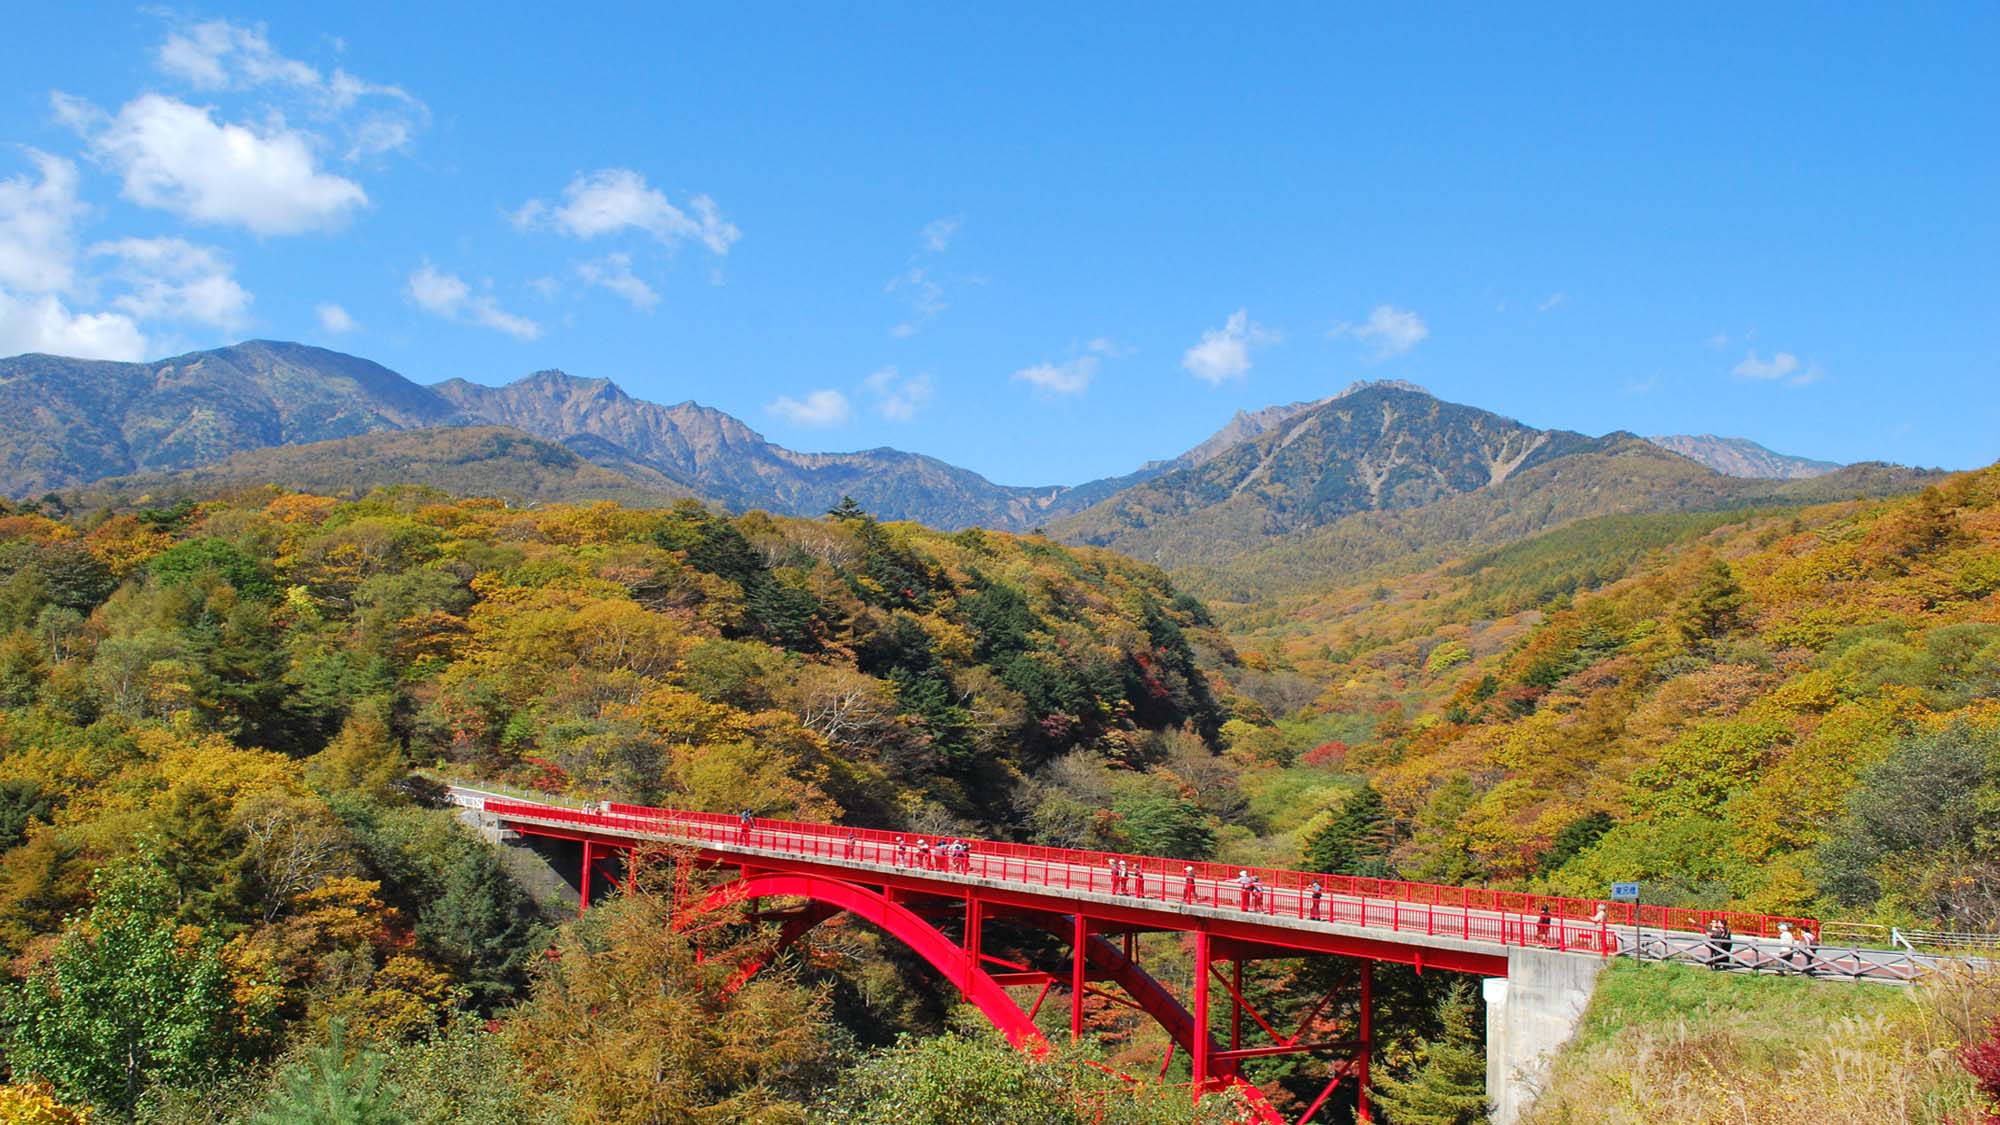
{"x":305,"y":417}
{"x":1741,"y":457}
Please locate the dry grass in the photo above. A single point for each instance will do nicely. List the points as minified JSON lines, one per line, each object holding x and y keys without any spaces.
{"x":1672,"y":1044}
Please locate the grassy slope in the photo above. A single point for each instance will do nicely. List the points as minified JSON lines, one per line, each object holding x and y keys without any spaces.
{"x":1676,"y":1043}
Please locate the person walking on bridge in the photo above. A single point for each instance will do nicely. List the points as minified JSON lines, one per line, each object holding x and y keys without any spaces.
{"x":847,"y":846}
{"x":1243,"y":885}
{"x":1187,"y":889}
{"x":1138,"y":880}
{"x":902,"y":853}
{"x":1542,"y":925}
{"x":1315,"y":891}
{"x":745,"y":821}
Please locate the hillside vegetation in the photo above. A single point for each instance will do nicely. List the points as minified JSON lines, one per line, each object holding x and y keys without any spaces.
{"x":208,"y":825}
{"x":462,"y":460}
{"x":1789,"y":710}
{"x":209,"y":711}
{"x":1387,"y":478}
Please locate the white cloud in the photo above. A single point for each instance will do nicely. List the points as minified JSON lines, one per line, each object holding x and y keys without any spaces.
{"x":1719,"y":341}
{"x":334,"y":320}
{"x":1554,"y":302}
{"x":818,"y":409}
{"x":937,"y":234}
{"x":43,"y":276}
{"x":178,"y":158}
{"x":898,"y":398}
{"x":448,"y":296}
{"x":1778,"y":366}
{"x":1224,"y":353}
{"x":614,"y":272}
{"x":926,"y":300}
{"x":173,"y":279}
{"x":1110,"y":348}
{"x":1389,"y":331}
{"x":45,"y":324}
{"x":1069,"y":378}
{"x":612,"y":200}
{"x":219,"y":55}
{"x":1781,"y":366}
{"x":37,"y":220}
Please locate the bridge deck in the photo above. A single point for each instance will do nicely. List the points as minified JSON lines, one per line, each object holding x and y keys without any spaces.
{"x":1465,"y":929}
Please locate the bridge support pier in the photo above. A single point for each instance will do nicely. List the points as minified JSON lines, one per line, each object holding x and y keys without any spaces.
{"x":1203,"y":959}
{"x":1530,"y":1014}
{"x":1367,"y":1052}
{"x":1078,"y":947}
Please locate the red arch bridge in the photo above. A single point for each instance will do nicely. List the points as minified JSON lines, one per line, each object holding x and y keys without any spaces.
{"x":938,"y":904}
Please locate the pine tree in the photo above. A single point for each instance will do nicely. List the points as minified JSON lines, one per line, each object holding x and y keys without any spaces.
{"x":483,"y":926}
{"x":1449,"y":1086}
{"x":331,"y":1088}
{"x":1355,"y":841}
{"x":362,"y":758}
{"x":1715,"y":609}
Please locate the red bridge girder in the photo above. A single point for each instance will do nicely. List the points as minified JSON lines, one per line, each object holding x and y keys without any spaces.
{"x":963,"y":965}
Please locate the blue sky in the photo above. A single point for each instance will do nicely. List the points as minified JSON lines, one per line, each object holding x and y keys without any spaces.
{"x":1044,"y":243}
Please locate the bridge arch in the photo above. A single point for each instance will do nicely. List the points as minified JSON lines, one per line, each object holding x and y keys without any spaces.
{"x":898,"y":921}
{"x":826,"y":898}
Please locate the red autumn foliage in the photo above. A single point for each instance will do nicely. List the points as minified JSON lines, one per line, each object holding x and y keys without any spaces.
{"x":1327,"y":755}
{"x":1982,"y":1061}
{"x":550,"y":778}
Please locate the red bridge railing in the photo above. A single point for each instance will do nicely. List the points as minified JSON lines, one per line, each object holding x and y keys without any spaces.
{"x":1468,"y":913}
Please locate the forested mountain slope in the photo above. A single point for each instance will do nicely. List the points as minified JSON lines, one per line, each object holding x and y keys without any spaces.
{"x":208,"y":713}
{"x":1386,"y":474}
{"x":726,"y":460}
{"x":1624,"y":475}
{"x":461,"y":460}
{"x":67,"y":421}
{"x":1376,"y":447}
{"x":1788,"y":710}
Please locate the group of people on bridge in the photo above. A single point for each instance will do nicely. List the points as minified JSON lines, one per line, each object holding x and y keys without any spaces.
{"x":1798,"y":950}
{"x":949,"y":855}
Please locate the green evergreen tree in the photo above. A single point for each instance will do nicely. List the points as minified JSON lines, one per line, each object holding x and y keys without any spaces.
{"x":1449,"y":1086}
{"x":1355,"y":841}
{"x":483,"y":926}
{"x":123,"y":1003}
{"x":1172,"y":826}
{"x":847,"y":509}
{"x":1716,"y":607}
{"x":333,"y":1087}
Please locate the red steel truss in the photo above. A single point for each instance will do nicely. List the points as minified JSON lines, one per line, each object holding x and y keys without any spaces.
{"x":916,"y":891}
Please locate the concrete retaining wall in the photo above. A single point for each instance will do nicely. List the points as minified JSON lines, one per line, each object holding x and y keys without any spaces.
{"x":1529,"y":1016}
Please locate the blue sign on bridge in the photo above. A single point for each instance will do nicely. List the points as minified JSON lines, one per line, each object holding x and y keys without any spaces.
{"x":1625,"y":891}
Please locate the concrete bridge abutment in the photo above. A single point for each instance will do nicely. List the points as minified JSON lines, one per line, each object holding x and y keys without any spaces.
{"x":1530,"y":1014}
